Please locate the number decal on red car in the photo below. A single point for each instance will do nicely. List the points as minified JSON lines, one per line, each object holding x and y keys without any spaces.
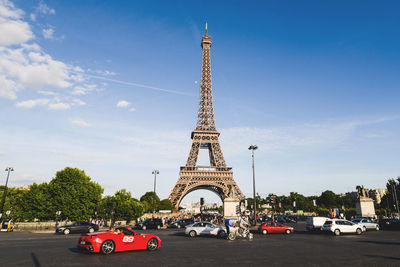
{"x":127,"y":239}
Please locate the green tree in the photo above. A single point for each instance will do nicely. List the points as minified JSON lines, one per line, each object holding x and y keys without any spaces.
{"x":37,"y":203}
{"x":389,"y":200}
{"x":166,"y":204}
{"x":328,"y":199}
{"x":127,"y":208}
{"x":73,"y":192}
{"x":147,"y":200}
{"x":12,"y":202}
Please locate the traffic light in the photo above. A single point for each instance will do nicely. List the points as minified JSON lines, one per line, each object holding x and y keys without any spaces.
{"x":201,"y":201}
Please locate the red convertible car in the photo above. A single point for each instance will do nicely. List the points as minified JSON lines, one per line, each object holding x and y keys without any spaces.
{"x":274,"y":227}
{"x":122,"y":239}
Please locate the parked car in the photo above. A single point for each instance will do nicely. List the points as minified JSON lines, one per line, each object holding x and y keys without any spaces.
{"x":77,"y":227}
{"x":7,"y":226}
{"x":275,"y":227}
{"x":152,"y":223}
{"x":366,"y":224}
{"x":338,"y":227}
{"x":204,"y":228}
{"x":181,"y":223}
{"x":389,"y":224}
{"x":315,"y":223}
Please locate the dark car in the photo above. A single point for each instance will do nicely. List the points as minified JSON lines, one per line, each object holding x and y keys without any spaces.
{"x":77,"y":227}
{"x":150,"y":224}
{"x":181,"y":223}
{"x":389,"y":224}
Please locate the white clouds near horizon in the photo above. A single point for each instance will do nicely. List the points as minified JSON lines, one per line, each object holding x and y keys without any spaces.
{"x":112,"y":154}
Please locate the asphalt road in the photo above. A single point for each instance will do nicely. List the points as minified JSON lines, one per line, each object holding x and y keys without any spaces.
{"x":301,"y":248}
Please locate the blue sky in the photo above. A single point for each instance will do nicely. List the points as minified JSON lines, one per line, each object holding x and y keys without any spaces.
{"x":112,"y":88}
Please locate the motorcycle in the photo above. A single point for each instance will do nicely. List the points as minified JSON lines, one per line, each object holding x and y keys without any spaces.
{"x":236,"y":231}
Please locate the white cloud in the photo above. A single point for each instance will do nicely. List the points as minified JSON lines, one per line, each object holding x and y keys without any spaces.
{"x":14,"y":32}
{"x":44,"y":9}
{"x":24,"y":65}
{"x":28,"y":104}
{"x":8,"y":88}
{"x":78,"y":102}
{"x":132,"y":109}
{"x":80,"y":123}
{"x":83,"y":89}
{"x":102,"y":72}
{"x":31,"y":47}
{"x":48,"y":33}
{"x":42,"y":92}
{"x":33,"y":16}
{"x":123,"y":104}
{"x":7,"y":10}
{"x":59,"y":106}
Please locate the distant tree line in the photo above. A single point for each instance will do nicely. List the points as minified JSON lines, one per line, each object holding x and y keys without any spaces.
{"x":328,"y":200}
{"x":73,"y":193}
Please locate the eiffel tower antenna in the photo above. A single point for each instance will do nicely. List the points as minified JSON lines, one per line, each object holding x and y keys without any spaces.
{"x":217,"y":177}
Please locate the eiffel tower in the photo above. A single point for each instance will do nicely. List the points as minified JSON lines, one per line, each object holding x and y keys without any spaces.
{"x":217,"y":177}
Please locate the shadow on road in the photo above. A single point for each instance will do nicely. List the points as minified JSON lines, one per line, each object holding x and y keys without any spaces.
{"x":382,"y":257}
{"x":178,"y":234}
{"x":380,"y":242}
{"x":35,"y":260}
{"x":76,"y":250}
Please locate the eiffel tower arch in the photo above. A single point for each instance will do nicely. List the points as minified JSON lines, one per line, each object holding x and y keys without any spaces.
{"x":217,"y":177}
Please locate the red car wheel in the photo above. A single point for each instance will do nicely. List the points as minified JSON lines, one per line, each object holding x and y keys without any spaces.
{"x":152,"y":244}
{"x":107,"y":247}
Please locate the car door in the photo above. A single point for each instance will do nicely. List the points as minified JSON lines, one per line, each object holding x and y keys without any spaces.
{"x":75,"y":228}
{"x":128,"y":240}
{"x":280,"y":228}
{"x":350,"y":227}
{"x":341,"y":226}
{"x":207,"y":229}
{"x":368,"y":224}
{"x":84,"y":227}
{"x":271,"y":228}
{"x":201,"y":227}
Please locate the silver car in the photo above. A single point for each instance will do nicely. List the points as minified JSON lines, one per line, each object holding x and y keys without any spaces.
{"x":204,"y":228}
{"x":366,"y":224}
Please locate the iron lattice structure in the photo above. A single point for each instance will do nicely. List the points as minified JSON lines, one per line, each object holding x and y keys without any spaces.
{"x":217,"y":177}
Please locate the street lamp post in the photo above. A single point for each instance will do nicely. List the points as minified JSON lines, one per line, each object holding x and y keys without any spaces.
{"x":8,"y":170}
{"x":155,"y":172}
{"x":252,"y":148}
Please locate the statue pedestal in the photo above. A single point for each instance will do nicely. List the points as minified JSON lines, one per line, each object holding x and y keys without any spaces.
{"x":230,"y":207}
{"x":365,"y":207}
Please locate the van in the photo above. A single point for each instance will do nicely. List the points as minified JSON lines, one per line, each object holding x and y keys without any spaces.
{"x":315,"y":223}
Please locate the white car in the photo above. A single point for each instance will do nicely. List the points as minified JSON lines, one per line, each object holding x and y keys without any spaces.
{"x":204,"y":228}
{"x":366,"y":224}
{"x":341,"y":227}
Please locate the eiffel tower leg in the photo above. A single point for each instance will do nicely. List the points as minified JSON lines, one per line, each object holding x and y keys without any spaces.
{"x":216,"y":155}
{"x":193,"y":154}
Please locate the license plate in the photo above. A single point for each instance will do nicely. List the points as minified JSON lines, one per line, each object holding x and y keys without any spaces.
{"x":82,"y":242}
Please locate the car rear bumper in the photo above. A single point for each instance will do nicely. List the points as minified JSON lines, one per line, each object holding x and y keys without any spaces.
{"x":88,"y":248}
